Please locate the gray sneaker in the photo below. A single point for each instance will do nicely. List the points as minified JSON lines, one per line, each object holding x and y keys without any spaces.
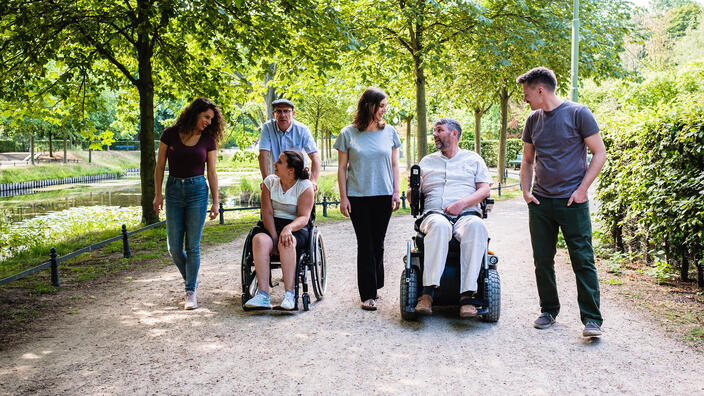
{"x":259,"y":301}
{"x":191,"y":301}
{"x":288,"y":303}
{"x":544,"y":321}
{"x":591,"y":330}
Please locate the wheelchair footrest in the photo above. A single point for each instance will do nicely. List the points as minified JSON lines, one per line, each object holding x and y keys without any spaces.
{"x":256,"y":308}
{"x":482,"y":311}
{"x":278,"y":308}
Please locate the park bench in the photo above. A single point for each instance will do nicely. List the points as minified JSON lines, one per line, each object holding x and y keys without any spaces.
{"x":516,"y":163}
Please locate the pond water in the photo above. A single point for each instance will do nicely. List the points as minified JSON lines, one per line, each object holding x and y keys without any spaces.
{"x":124,"y":192}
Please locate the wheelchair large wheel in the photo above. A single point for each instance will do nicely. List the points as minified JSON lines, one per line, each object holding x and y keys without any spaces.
{"x":248,"y":274}
{"x":492,"y":294}
{"x":409,"y":293}
{"x":319,"y":269}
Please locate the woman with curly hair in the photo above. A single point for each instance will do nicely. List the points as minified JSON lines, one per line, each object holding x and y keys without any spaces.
{"x":188,"y":146}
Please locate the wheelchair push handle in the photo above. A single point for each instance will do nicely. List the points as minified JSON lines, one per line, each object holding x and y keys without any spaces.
{"x":416,"y":199}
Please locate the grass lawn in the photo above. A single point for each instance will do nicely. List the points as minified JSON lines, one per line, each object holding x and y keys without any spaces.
{"x":102,"y":162}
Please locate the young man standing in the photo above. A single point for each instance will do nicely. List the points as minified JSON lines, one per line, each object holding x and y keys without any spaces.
{"x":556,"y":136}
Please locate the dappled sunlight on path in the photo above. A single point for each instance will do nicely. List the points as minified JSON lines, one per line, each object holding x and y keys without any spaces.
{"x":136,"y":338}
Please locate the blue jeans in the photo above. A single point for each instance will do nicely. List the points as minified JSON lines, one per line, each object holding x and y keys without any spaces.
{"x":186,"y":206}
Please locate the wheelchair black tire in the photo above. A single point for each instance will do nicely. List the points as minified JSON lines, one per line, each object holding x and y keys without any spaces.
{"x":492,"y":294}
{"x":306,"y":302}
{"x":409,"y":293}
{"x":247,"y":273}
{"x":319,"y":268}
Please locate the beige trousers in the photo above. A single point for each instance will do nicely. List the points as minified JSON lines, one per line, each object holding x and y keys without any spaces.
{"x":473,"y":237}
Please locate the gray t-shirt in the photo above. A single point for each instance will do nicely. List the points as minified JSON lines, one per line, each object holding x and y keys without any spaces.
{"x":369,"y":171}
{"x":560,"y":152}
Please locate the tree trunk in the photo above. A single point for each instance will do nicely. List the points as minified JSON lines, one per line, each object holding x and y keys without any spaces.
{"x":270,"y":94}
{"x":617,"y":232}
{"x":408,"y":143}
{"x":51,"y":146}
{"x":684,"y":267}
{"x":145,"y":86}
{"x":477,"y":130}
{"x":31,"y":148}
{"x":501,"y":156}
{"x":696,"y":256}
{"x":315,"y":134}
{"x":421,"y":112}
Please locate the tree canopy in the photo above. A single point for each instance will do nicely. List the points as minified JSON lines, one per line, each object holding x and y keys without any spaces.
{"x":145,"y":59}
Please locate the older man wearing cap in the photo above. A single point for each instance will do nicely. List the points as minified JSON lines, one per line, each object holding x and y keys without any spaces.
{"x":285,"y":133}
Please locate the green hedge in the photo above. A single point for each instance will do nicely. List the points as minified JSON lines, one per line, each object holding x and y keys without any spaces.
{"x":652,"y":187}
{"x":7,"y":146}
{"x":490,"y":149}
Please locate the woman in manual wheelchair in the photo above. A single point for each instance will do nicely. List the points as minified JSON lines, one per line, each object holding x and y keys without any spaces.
{"x":286,"y":204}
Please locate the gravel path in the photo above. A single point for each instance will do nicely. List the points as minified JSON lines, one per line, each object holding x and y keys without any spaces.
{"x":135,"y":339}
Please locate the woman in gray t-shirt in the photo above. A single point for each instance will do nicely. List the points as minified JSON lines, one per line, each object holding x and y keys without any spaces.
{"x":369,"y":187}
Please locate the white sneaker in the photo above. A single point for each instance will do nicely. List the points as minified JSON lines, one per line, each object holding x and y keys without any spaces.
{"x":288,"y":303}
{"x":191,"y":302}
{"x":258,"y":301}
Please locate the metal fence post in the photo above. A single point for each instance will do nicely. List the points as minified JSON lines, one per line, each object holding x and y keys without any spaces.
{"x":54,"y":269}
{"x":403,"y":199}
{"x":325,"y":206}
{"x":499,"y":189}
{"x":222,"y":214}
{"x":125,"y":243}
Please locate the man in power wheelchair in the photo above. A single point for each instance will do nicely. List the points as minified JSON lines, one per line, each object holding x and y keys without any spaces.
{"x":286,"y":238}
{"x":451,"y":190}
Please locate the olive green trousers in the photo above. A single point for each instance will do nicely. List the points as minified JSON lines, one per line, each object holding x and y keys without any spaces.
{"x":574,"y":220}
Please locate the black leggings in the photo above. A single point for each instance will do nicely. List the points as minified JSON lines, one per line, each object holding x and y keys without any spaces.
{"x":370,"y":218}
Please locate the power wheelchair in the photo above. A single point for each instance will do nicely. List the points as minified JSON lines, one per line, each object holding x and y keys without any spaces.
{"x":309,"y":258}
{"x":488,"y":296}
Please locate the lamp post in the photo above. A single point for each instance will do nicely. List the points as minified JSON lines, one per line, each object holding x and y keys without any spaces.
{"x":575,"y":49}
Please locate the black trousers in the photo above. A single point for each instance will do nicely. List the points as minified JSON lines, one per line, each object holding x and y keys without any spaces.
{"x":370,"y":218}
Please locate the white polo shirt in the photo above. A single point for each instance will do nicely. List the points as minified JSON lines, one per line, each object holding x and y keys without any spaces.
{"x":447,"y":180}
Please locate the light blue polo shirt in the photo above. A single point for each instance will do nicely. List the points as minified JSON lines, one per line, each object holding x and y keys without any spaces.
{"x":297,"y":137}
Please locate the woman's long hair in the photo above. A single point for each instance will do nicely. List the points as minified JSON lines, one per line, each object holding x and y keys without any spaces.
{"x":189,"y":117}
{"x":366,"y":108}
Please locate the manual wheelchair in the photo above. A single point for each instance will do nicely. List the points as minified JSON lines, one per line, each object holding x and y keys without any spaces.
{"x":309,"y":258}
{"x":488,"y":296}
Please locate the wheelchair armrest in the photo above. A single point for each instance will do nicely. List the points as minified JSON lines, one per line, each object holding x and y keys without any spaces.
{"x":487,"y":205}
